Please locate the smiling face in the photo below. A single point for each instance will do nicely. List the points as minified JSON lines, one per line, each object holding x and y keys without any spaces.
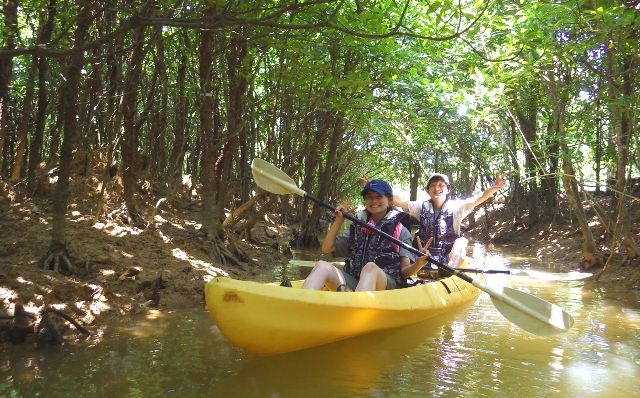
{"x":376,"y":204}
{"x":438,"y":190}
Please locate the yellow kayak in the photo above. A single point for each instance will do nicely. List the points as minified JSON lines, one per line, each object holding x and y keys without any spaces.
{"x":269,"y":319}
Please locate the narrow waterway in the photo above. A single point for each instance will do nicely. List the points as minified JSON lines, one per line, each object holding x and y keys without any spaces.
{"x":473,"y":352}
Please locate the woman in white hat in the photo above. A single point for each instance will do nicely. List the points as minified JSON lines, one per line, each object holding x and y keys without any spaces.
{"x":440,"y":218}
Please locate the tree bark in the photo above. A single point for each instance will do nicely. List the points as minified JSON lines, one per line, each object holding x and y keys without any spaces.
{"x":310,"y":230}
{"x":58,"y":258}
{"x":110,"y":136}
{"x":559,"y":103}
{"x":549,"y":185}
{"x":590,"y":255}
{"x":415,"y":171}
{"x":24,"y":124}
{"x":217,"y":171}
{"x":527,"y":121}
{"x":35,"y":150}
{"x":237,"y":70}
{"x":10,"y":31}
{"x":208,"y":103}
{"x":176,"y":158}
{"x":129,"y":125}
{"x":598,"y":158}
{"x":516,"y":186}
{"x":90,"y":114}
{"x":159,"y":114}
{"x":307,"y":238}
{"x":622,"y":128}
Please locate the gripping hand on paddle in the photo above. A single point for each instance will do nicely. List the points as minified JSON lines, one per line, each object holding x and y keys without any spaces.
{"x":329,"y":241}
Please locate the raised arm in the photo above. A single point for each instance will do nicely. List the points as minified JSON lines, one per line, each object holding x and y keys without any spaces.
{"x":489,"y":192}
{"x":398,"y":202}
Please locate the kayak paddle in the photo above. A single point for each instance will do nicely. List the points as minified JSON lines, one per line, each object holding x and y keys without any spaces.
{"x":526,"y":311}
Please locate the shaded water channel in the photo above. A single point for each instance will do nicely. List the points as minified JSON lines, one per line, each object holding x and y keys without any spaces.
{"x":472,"y":352}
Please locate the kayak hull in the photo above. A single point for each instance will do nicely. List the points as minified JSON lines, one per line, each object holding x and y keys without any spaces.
{"x":269,"y":319}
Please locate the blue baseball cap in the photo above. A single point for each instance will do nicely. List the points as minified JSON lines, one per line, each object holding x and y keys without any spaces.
{"x":380,"y":186}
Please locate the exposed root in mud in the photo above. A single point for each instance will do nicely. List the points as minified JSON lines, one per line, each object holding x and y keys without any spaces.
{"x":126,"y":216}
{"x":58,"y":260}
{"x":50,"y":333}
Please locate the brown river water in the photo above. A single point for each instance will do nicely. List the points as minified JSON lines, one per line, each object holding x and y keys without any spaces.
{"x":472,"y":352}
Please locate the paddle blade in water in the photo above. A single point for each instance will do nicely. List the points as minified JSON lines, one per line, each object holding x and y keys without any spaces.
{"x":531,"y":313}
{"x":272,"y":179}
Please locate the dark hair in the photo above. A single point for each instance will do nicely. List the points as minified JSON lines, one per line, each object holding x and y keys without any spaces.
{"x":438,"y":177}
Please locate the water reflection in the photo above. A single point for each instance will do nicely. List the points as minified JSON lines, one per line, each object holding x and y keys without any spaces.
{"x":353,"y":367}
{"x":470,"y":352}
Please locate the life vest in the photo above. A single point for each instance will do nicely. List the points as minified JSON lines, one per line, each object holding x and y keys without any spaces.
{"x":440,"y":228}
{"x":366,"y":246}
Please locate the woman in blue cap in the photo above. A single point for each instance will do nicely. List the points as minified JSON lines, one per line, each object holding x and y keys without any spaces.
{"x":372,"y":262}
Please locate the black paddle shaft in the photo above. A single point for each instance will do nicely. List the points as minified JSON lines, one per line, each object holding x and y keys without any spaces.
{"x":412,"y":249}
{"x":484,"y":271}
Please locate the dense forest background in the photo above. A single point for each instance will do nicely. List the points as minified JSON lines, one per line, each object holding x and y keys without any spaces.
{"x":163,"y":94}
